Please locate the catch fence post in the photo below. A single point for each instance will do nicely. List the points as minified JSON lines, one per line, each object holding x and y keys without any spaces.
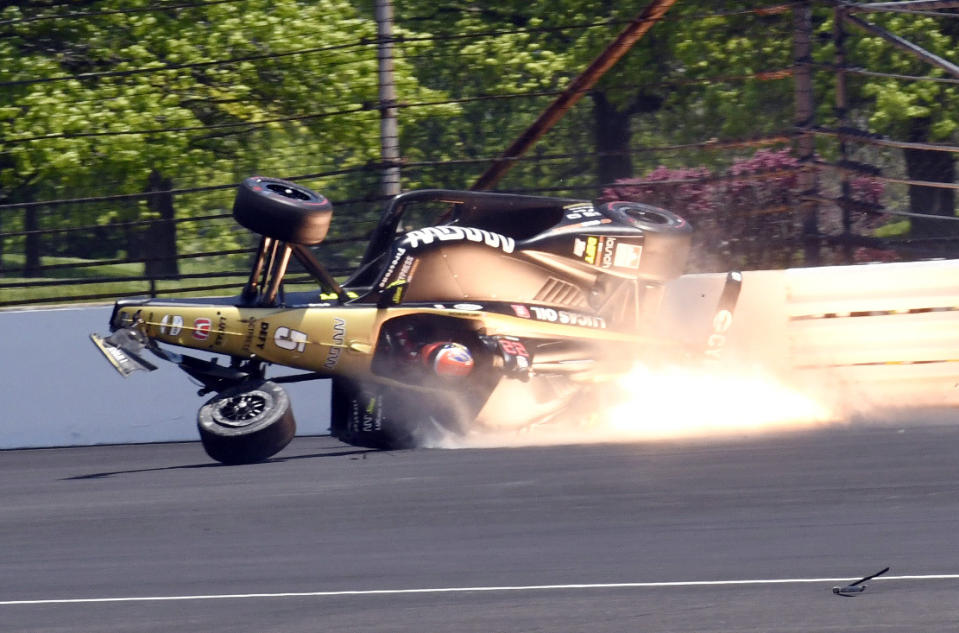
{"x":389,"y":134}
{"x":804,"y":118}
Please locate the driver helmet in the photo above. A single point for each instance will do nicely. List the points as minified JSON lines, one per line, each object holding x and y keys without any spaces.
{"x":448,"y":360}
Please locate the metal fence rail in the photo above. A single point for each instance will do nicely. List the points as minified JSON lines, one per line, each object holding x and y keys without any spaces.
{"x":839,"y":193}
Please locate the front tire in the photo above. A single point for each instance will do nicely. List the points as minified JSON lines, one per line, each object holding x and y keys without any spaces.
{"x":247,"y":423}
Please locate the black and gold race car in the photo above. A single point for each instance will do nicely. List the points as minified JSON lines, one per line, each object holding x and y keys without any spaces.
{"x":469,"y":309}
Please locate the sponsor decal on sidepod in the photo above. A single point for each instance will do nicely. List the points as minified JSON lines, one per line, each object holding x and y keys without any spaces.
{"x":173,"y":322}
{"x":339,"y":338}
{"x":201,"y":328}
{"x":567,"y":318}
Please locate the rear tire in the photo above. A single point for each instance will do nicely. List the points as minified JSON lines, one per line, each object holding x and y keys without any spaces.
{"x":378,"y":416}
{"x":282,"y":210}
{"x":359,"y":417}
{"x":247,"y":423}
{"x":666,"y":237}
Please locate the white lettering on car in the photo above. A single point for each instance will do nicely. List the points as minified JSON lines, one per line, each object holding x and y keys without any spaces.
{"x":567,"y":318}
{"x":339,"y":338}
{"x":428,"y":235}
{"x":292,"y":340}
{"x":400,"y":252}
{"x":580,"y":210}
{"x":608,"y":246}
{"x":717,"y":340}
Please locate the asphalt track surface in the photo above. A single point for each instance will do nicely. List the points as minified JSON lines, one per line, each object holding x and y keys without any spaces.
{"x":743,"y":534}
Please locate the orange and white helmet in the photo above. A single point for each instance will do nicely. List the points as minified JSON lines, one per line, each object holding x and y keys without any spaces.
{"x":449,"y":360}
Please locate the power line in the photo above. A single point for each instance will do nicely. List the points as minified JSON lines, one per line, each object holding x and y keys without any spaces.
{"x":250,"y":125}
{"x":872,"y":73}
{"x":88,"y":14}
{"x":861,"y":136}
{"x":372,"y":167}
{"x":716,"y":145}
{"x":153,"y":88}
{"x":169,"y":67}
{"x":151,"y":194}
{"x":363,"y":42}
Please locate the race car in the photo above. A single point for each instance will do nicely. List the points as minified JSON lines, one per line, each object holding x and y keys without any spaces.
{"x":469,"y":310}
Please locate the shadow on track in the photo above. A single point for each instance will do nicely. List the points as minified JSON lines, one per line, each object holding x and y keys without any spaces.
{"x":339,"y":453}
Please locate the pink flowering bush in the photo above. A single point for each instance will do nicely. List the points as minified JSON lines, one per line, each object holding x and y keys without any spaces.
{"x":745,"y":216}
{"x":685,"y":188}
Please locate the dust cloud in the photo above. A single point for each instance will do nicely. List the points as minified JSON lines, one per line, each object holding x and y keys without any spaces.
{"x":674,"y":403}
{"x":783,"y":365}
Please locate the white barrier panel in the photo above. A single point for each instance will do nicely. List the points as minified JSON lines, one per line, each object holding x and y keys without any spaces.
{"x":56,"y":389}
{"x":883,"y":335}
{"x":893,"y":313}
{"x":880,"y":334}
{"x":888,"y":334}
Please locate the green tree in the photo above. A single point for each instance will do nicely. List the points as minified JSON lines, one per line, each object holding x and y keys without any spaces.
{"x":914,"y":111}
{"x":125,"y":98}
{"x":658,"y":93}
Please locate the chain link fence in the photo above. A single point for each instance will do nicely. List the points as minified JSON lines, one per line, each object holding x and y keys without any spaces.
{"x":873,"y":198}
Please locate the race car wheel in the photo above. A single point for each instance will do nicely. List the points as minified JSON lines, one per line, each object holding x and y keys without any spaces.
{"x":645,"y":216}
{"x":666,"y":237}
{"x":360,"y":416}
{"x":282,"y":210}
{"x":246,"y":423}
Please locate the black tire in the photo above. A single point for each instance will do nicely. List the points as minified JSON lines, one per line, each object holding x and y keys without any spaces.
{"x":666,"y":237}
{"x":646,"y":217}
{"x":359,"y":416}
{"x":377,"y":416}
{"x":247,"y":423}
{"x":282,"y":210}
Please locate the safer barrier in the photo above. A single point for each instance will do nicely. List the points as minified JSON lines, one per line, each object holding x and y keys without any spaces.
{"x":881,"y":334}
{"x":884,"y":335}
{"x":889,"y":333}
{"x":57,"y":390}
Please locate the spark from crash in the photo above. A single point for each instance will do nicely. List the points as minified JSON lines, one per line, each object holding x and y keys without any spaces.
{"x":672,"y":403}
{"x":678,"y":402}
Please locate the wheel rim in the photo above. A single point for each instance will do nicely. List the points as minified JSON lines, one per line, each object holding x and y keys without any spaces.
{"x":241,"y":410}
{"x":647,"y":215}
{"x":287,"y":191}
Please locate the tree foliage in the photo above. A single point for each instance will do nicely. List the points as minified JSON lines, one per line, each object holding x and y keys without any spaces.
{"x":742,"y":213}
{"x":121,"y":96}
{"x":208,"y":94}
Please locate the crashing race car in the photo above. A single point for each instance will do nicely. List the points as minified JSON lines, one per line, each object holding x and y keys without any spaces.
{"x":469,"y":310}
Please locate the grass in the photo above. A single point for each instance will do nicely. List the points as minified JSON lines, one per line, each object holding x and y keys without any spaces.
{"x":86,"y":280}
{"x":76,"y":280}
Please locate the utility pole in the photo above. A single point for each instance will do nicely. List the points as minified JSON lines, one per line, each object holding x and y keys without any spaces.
{"x":842,"y":113}
{"x":389,"y":135}
{"x":805,"y":109}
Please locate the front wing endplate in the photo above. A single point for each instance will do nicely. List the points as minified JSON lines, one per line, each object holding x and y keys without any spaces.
{"x":124,"y":360}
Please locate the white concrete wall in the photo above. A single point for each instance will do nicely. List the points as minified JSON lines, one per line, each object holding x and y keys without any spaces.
{"x":56,"y":389}
{"x":876,"y":335}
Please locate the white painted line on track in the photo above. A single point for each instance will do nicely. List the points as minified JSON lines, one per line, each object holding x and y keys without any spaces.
{"x":438,"y":590}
